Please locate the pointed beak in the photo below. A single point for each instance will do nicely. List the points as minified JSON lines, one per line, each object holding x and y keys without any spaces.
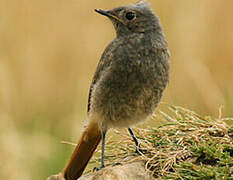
{"x":109,"y":14}
{"x":102,"y":12}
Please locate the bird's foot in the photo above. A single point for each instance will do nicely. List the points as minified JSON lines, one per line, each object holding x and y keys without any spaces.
{"x":117,"y":164}
{"x":98,"y":168}
{"x":140,"y":151}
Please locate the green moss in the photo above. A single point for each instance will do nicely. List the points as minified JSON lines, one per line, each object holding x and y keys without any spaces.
{"x":188,"y":147}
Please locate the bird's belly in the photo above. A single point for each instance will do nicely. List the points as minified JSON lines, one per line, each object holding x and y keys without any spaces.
{"x":126,"y":95}
{"x":125,"y":106}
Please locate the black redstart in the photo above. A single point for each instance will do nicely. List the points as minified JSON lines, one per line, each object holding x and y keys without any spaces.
{"x":129,"y":80}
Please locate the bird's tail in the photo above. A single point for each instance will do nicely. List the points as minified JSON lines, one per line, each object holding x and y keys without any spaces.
{"x":83,"y":152}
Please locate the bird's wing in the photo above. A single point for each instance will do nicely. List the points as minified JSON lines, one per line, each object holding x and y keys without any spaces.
{"x":104,"y":63}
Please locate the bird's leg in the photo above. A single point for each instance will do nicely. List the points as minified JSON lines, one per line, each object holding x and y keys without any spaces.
{"x":102,"y":152}
{"x":102,"y":148}
{"x":135,"y":140}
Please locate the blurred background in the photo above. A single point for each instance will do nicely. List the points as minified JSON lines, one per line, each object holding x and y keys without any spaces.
{"x":48,"y":54}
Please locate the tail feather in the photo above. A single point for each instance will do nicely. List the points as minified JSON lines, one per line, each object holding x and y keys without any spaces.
{"x":83,"y":152}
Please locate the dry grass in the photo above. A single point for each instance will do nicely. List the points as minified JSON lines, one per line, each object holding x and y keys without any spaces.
{"x":188,"y":147}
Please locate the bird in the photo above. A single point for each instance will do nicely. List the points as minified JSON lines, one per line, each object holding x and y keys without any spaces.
{"x":129,"y":81}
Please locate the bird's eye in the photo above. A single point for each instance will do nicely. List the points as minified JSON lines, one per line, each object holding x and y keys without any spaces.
{"x":130,"y":15}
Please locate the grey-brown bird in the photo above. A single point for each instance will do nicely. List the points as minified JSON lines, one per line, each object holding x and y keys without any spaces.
{"x":128,"y":83}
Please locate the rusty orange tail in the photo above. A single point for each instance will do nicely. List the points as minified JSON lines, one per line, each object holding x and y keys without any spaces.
{"x":83,"y":152}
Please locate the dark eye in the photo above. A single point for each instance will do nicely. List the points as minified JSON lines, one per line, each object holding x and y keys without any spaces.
{"x":130,"y":15}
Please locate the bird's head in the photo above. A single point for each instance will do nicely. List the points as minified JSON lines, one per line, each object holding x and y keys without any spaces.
{"x":133,"y":18}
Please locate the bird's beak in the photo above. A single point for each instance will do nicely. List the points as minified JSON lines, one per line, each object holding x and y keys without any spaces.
{"x":102,"y":12}
{"x":108,"y":14}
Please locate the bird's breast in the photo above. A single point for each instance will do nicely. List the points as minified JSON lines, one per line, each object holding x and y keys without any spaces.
{"x":131,"y":87}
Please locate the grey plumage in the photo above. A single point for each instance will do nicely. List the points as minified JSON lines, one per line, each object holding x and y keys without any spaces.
{"x":128,"y":83}
{"x":133,"y":70}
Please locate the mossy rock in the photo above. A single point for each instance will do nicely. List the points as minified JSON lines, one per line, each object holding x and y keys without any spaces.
{"x":189,"y":147}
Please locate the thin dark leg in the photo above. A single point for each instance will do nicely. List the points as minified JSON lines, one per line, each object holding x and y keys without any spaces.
{"x":139,"y":151}
{"x":102,"y":153}
{"x":134,"y":137}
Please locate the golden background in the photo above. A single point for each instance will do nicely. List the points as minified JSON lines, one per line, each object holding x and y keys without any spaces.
{"x":49,"y":50}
